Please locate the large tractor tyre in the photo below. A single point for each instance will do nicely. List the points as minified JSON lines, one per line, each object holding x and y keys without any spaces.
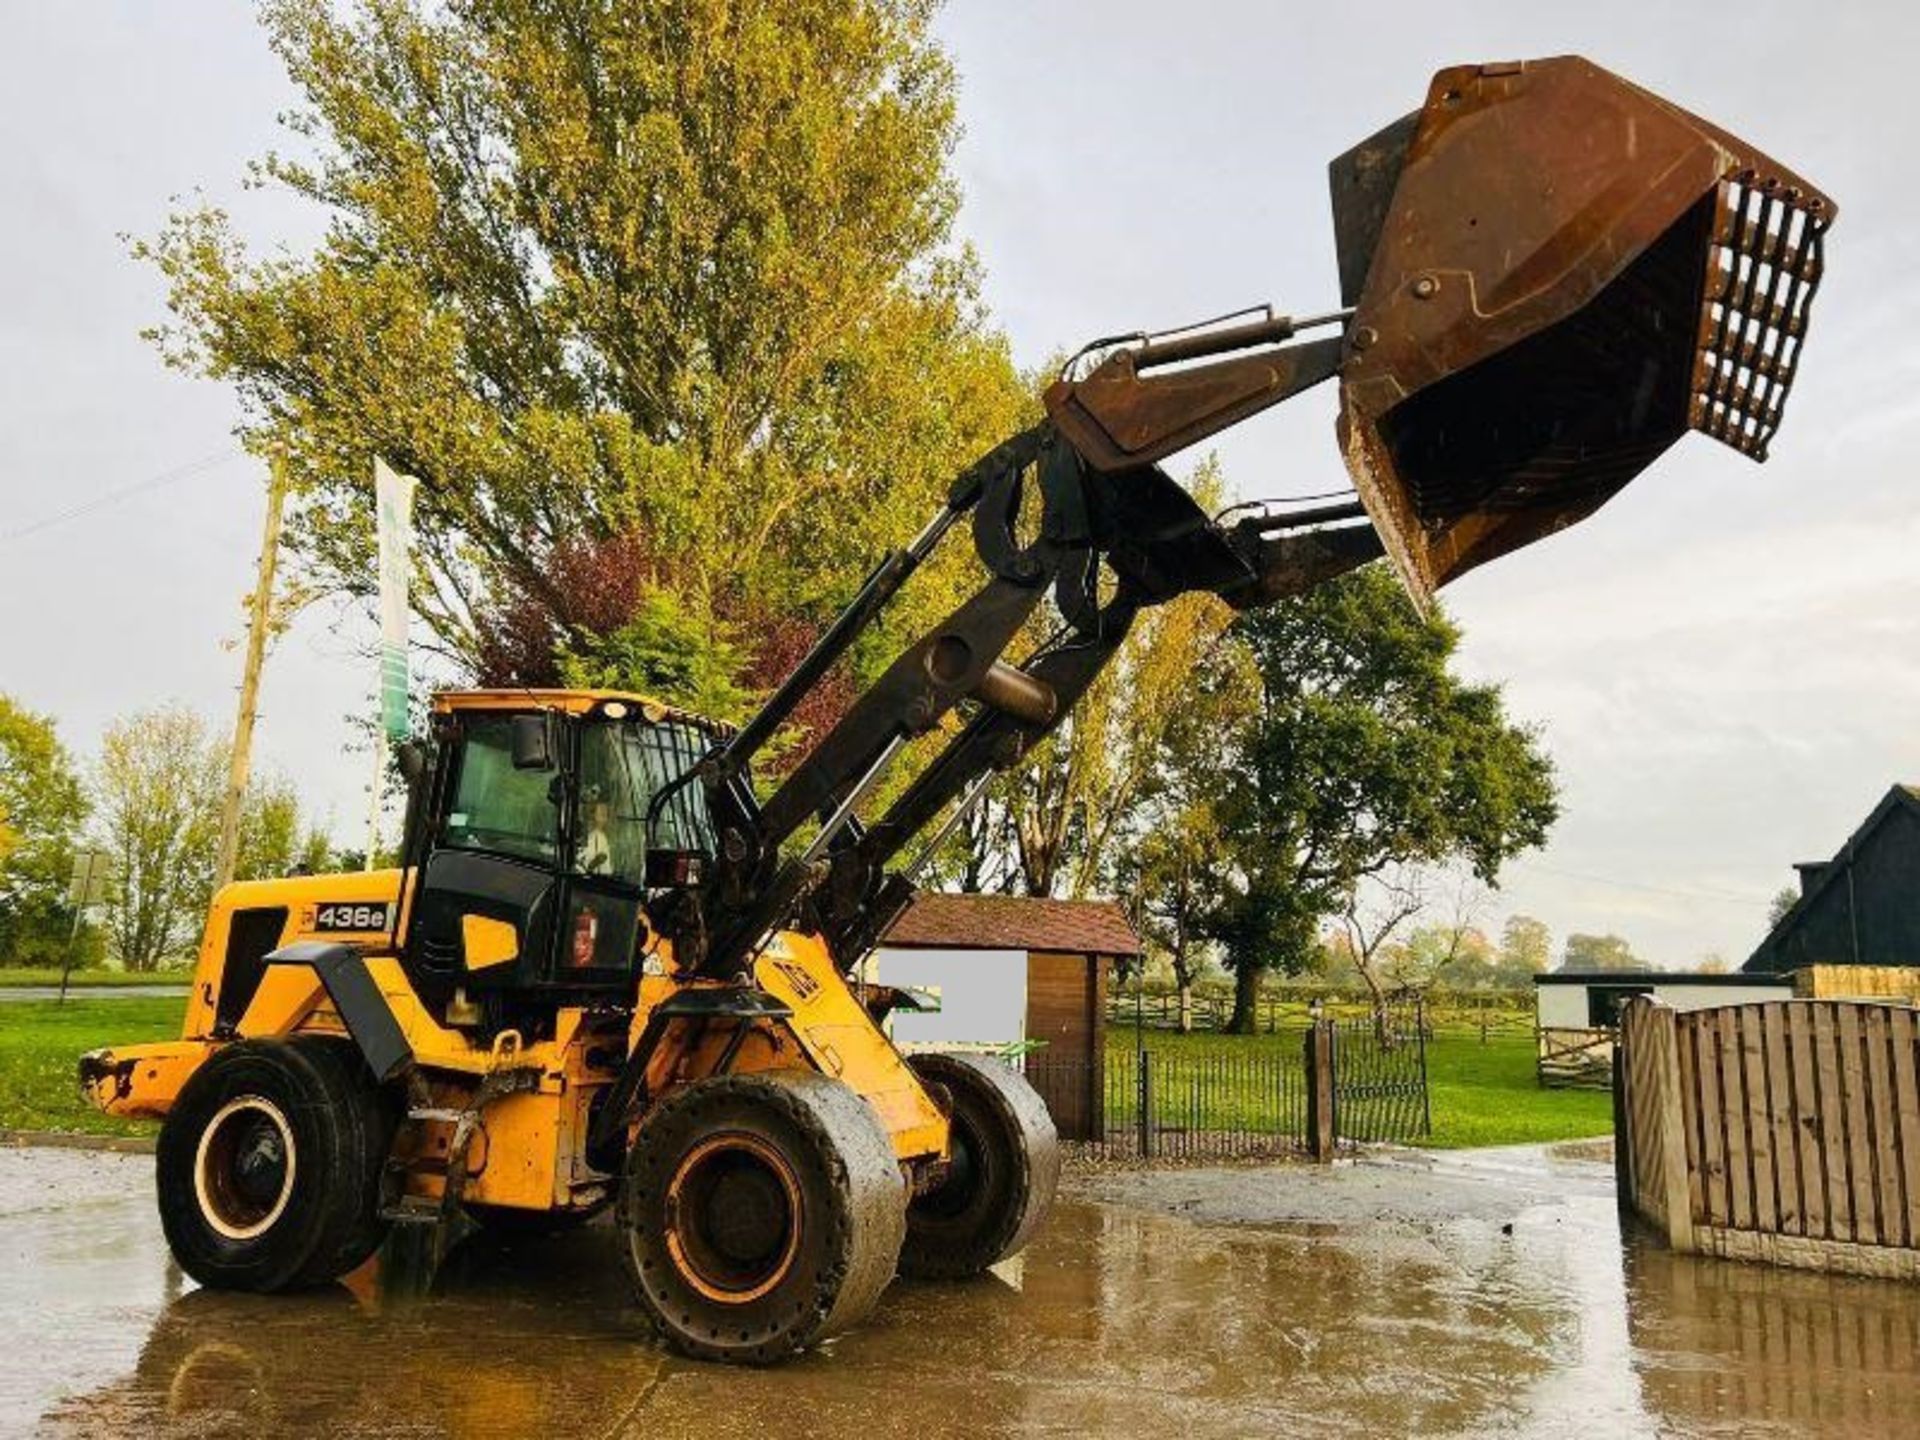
{"x":370,"y":1113}
{"x":760,"y":1214}
{"x":252,"y":1165}
{"x":999,"y":1184}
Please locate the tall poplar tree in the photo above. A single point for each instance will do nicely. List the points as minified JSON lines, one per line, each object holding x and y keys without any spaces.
{"x":674,"y":269}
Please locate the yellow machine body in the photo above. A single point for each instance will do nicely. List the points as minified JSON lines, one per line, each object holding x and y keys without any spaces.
{"x":528,"y":1150}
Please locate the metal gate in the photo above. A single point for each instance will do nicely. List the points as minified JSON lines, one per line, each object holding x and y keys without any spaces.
{"x":1380,"y":1074}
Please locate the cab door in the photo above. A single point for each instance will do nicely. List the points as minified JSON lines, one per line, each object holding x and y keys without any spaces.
{"x":603,"y":927}
{"x":484,"y":913}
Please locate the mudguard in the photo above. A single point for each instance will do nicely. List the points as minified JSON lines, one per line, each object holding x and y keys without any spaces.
{"x":357,"y":999}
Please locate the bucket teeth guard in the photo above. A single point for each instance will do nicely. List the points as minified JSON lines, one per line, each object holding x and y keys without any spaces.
{"x":1555,"y":274}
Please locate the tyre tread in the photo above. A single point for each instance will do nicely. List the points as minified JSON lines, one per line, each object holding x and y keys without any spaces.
{"x":866,"y":1220}
{"x":1031,"y":1145}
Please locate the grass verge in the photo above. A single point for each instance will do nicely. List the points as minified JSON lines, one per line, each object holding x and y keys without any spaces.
{"x":41,"y":1041}
{"x":18,"y":975}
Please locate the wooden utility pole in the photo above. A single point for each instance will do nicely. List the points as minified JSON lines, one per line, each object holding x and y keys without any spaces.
{"x":260,"y":618}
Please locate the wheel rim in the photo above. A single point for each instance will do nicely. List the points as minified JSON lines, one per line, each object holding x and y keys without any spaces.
{"x":244,"y":1167}
{"x":733,"y":1218}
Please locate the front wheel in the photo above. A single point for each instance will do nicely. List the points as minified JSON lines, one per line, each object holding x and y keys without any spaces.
{"x":263,"y":1168}
{"x":1000,"y":1179}
{"x":760,"y":1214}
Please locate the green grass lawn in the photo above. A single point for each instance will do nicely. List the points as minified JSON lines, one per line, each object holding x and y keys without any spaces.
{"x":1481,"y":1094}
{"x":41,"y":1041}
{"x":1487,"y":1095}
{"x":43,"y":975}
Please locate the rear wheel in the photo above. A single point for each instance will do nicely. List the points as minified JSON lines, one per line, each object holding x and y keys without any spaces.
{"x":251,"y":1167}
{"x":760,"y":1214}
{"x":1000,"y":1180}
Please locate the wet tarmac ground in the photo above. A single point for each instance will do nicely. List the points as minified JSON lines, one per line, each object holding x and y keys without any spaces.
{"x":1487,"y":1293}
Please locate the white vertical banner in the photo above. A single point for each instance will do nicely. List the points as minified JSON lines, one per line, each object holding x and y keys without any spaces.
{"x":393,"y":500}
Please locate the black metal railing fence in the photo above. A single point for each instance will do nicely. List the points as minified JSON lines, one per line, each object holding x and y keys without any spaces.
{"x":1252,"y":1096}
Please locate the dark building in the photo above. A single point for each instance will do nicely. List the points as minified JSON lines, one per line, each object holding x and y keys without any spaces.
{"x":1862,"y":907}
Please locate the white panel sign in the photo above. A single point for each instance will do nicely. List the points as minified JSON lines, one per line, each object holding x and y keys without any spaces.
{"x":983,"y":994}
{"x":393,"y":497}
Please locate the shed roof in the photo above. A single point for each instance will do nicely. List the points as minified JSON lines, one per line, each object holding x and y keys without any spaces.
{"x":1765,"y":956}
{"x":1015,"y":922}
{"x":1660,"y":977}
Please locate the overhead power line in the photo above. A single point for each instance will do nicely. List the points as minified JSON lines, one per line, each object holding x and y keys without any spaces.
{"x":1726,"y":897}
{"x":110,"y":498}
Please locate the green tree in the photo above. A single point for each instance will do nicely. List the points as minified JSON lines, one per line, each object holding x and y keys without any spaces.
{"x":1186,"y":686}
{"x":671,"y":268}
{"x":158,"y":789}
{"x":1170,"y":874}
{"x":42,"y":807}
{"x":1784,"y":899}
{"x":1364,"y":752}
{"x":1449,"y":948}
{"x":275,"y":839}
{"x":1442,"y":954}
{"x":1600,"y":952}
{"x":1526,"y":950}
{"x":663,"y":651}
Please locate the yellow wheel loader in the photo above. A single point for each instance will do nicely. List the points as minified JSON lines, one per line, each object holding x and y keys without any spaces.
{"x":614,"y":971}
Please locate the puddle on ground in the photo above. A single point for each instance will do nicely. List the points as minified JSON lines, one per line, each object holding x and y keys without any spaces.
{"x":1118,"y":1320}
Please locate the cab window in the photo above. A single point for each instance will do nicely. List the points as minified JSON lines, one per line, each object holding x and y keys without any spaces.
{"x":496,"y":807}
{"x":622,"y":767}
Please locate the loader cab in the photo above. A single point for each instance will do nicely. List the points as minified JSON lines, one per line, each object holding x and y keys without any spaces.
{"x":533,"y":826}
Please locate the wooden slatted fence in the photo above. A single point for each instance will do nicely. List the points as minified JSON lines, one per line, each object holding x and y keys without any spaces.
{"x":1785,"y":1130}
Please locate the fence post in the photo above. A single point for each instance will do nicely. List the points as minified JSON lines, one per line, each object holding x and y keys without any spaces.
{"x":1426,"y":1090}
{"x":1321,"y":1120}
{"x":1143,"y":1103}
{"x":1672,"y":1127}
{"x":1623,"y":1179}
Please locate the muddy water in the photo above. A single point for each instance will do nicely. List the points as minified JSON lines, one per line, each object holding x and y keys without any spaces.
{"x":1473,"y":1297}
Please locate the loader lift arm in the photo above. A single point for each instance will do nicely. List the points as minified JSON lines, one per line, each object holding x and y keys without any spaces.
{"x":1547,"y":275}
{"x":1115,"y":534}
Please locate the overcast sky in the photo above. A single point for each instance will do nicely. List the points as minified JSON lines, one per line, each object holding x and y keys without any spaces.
{"x":1725,"y":663}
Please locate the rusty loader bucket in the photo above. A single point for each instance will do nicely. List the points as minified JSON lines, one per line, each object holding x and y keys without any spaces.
{"x":1555,"y":274}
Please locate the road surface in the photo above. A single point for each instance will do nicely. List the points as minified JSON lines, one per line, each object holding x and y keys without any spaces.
{"x":1487,"y":1293}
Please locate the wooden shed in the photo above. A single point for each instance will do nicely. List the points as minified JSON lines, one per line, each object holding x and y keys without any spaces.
{"x":1012,"y":970}
{"x":1577,"y":1012}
